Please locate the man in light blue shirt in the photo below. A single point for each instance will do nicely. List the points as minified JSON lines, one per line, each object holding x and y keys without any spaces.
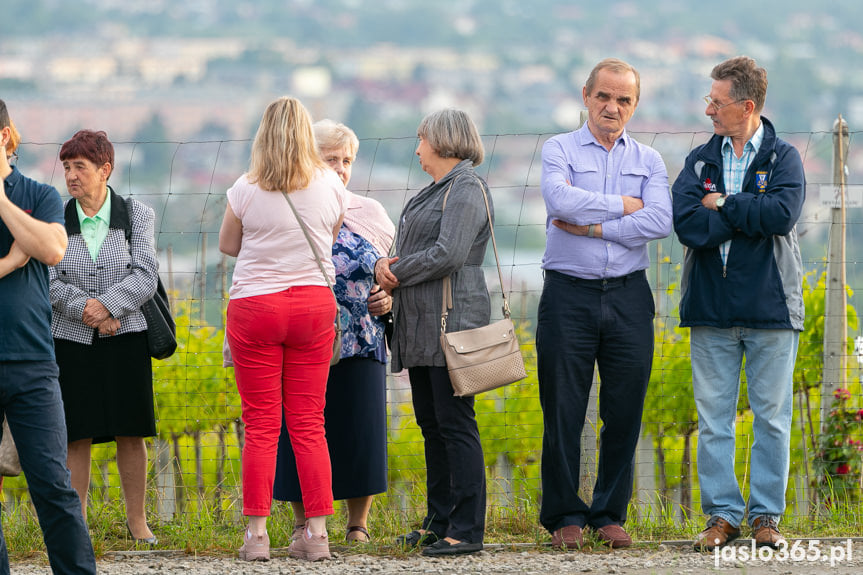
{"x":606,"y":196}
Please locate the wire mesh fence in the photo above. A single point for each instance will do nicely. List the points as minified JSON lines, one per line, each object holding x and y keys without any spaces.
{"x":195,"y":460}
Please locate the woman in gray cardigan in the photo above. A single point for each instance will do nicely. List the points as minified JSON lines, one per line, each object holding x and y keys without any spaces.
{"x":432,"y":243}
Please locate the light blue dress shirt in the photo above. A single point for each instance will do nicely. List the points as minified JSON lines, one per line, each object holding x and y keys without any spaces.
{"x":734,"y":171}
{"x":582,"y":183}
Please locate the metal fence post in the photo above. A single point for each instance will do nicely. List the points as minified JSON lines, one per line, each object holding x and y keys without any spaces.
{"x":589,"y":443}
{"x":835,"y":314}
{"x":646,"y":495}
{"x":589,"y":446}
{"x":166,"y":496}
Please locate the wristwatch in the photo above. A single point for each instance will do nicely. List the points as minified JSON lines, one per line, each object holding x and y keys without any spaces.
{"x":720,"y":202}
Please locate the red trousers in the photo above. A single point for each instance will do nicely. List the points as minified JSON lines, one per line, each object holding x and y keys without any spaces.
{"x":281,"y":345}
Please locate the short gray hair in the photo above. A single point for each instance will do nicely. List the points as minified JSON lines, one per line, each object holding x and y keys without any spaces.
{"x":748,"y":79}
{"x":617,"y":66}
{"x":452,"y":134}
{"x":331,"y":135}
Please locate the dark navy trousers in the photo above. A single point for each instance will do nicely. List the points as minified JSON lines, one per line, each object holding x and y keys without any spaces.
{"x":581,"y":323}
{"x":31,"y":400}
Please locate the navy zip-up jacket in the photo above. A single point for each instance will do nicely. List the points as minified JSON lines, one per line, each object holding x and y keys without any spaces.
{"x":761,"y":284}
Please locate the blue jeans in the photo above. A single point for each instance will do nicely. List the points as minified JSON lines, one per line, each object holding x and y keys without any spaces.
{"x":717,"y":357}
{"x":30,"y":398}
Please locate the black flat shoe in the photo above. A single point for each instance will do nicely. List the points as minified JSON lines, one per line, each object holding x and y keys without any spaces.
{"x":444,"y":548}
{"x":415,"y":538}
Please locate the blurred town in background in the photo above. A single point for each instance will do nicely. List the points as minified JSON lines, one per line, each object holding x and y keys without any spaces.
{"x":180,"y":87}
{"x":206,"y":68}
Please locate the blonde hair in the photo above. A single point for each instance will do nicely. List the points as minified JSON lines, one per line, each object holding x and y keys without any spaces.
{"x":14,"y":139}
{"x":332,"y":135}
{"x":284,"y":156}
{"x":14,"y":136}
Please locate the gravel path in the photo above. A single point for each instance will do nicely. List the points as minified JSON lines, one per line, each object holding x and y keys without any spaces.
{"x":671,"y":558}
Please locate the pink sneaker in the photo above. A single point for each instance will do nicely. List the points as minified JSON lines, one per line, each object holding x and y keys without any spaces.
{"x":255,"y":548}
{"x":312,"y":548}
{"x":297,"y":532}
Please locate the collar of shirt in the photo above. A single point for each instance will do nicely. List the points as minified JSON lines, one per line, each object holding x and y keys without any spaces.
{"x":102,"y":216}
{"x":585,"y":137}
{"x":735,"y":168}
{"x":754,"y":143}
{"x":13,"y":176}
{"x":94,"y":229}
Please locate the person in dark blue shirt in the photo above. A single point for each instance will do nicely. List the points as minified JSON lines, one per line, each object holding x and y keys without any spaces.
{"x":32,"y":237}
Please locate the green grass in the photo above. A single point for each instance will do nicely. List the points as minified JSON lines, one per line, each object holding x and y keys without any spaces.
{"x":205,"y":530}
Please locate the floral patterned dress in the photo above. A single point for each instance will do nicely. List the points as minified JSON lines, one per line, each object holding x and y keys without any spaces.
{"x":354,"y":259}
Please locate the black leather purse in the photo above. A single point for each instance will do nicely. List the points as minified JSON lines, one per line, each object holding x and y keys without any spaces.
{"x":161,"y":329}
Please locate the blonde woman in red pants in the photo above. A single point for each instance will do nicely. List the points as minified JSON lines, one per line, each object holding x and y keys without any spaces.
{"x":280,"y":321}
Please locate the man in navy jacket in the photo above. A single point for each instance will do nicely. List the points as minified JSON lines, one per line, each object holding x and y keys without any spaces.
{"x":736,"y":203}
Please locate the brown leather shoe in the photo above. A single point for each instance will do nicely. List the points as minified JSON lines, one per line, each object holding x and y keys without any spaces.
{"x":570,"y":537}
{"x":614,"y":536}
{"x":766,"y":533}
{"x":718,"y":533}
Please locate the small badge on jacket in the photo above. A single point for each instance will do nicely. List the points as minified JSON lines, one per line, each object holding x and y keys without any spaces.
{"x":761,"y":181}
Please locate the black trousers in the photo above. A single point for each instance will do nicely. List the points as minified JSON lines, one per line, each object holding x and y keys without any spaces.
{"x":582,"y":322}
{"x":455,"y":469}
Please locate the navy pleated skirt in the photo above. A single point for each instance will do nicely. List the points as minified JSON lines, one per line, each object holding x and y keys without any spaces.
{"x":356,"y":426}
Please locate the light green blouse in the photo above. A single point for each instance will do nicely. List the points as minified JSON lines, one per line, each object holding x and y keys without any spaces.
{"x":94,"y":230}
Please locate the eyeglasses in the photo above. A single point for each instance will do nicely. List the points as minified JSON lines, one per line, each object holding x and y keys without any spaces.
{"x":710,"y":101}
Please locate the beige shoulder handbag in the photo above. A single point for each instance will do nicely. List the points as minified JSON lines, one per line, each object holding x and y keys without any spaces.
{"x":482,"y":358}
{"x":9,"y":464}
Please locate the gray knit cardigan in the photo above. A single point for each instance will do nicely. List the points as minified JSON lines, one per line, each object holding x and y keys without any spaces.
{"x":432,"y":244}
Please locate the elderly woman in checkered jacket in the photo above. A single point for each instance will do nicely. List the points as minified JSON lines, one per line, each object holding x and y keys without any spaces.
{"x":109,"y":271}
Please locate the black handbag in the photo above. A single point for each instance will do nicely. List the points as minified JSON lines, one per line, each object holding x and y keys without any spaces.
{"x":161,"y":329}
{"x":389,"y":327}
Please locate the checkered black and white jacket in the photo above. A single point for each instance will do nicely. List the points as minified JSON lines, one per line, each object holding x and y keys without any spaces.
{"x":122,"y":278}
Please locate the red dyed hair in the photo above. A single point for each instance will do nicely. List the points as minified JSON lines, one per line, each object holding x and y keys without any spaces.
{"x":90,"y":145}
